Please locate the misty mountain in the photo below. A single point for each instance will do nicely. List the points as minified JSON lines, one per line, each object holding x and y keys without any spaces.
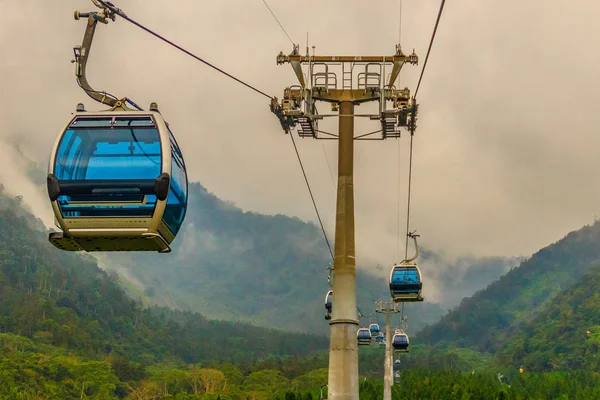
{"x":462,"y":277}
{"x":271,"y":270}
{"x":489,"y":318}
{"x":236,"y":265}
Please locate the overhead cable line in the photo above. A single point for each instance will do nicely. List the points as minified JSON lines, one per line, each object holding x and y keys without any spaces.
{"x":398,"y":167}
{"x":400,"y":24}
{"x":312,"y":197}
{"x":398,"y":200}
{"x":409,"y":193}
{"x":437,"y":22}
{"x":119,"y":12}
{"x":430,"y":44}
{"x":281,"y":26}
{"x":328,"y":166}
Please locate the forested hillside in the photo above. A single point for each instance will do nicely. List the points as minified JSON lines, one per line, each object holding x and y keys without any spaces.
{"x":29,"y":370}
{"x":486,"y":320}
{"x":71,"y":332}
{"x":565,"y":335}
{"x":64,"y":299}
{"x":462,"y":277}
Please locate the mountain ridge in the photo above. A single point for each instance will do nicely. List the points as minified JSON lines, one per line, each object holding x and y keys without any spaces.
{"x":272,"y":260}
{"x":492,"y":314}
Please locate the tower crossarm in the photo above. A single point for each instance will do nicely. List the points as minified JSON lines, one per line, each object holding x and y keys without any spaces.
{"x":361,"y":79}
{"x":411,"y":59}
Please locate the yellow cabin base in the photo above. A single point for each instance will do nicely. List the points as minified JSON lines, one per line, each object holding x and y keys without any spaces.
{"x":408,"y":300}
{"x":109,"y":243}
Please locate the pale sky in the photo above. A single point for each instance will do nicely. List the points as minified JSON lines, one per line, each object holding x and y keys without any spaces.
{"x":505,"y":152}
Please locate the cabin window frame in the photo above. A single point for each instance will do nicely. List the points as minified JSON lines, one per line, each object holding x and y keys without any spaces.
{"x":112,"y":122}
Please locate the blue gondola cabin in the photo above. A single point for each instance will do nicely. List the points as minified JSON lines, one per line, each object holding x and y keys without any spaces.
{"x":117,"y":182}
{"x":406,"y":283}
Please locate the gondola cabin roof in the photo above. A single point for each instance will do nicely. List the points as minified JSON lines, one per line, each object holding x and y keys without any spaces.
{"x":117,"y":181}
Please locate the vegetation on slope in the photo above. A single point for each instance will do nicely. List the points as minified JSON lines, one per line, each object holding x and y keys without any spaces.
{"x":487,"y":319}
{"x":64,"y":299}
{"x":557,"y":338}
{"x":73,"y":334}
{"x":33,"y":371}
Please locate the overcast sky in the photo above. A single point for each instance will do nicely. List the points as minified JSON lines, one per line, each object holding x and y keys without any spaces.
{"x":506,"y":152}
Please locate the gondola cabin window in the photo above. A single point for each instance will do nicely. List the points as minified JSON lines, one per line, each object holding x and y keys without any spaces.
{"x":177,"y":200}
{"x":108,"y":160}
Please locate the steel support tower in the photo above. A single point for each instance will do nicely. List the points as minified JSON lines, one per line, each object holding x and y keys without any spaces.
{"x":387,"y":308}
{"x":363,"y":79}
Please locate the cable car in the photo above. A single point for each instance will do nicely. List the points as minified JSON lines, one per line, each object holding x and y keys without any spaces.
{"x":117,"y":181}
{"x":400,"y":342}
{"x":397,"y":365}
{"x":328,"y":304}
{"x":364,"y":336}
{"x":405,"y":283}
{"x":397,"y":378}
{"x":382,"y":343}
{"x":374,"y":328}
{"x":379,"y":338}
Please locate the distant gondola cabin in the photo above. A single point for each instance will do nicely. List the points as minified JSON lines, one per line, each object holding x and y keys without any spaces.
{"x":364,"y":336}
{"x":400,"y":342}
{"x":374,"y":328}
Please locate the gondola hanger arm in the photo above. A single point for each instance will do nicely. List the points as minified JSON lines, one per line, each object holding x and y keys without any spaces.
{"x":82,"y":52}
{"x":414,"y":236}
{"x":108,"y":12}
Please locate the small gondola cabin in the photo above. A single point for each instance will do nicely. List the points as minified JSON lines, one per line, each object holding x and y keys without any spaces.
{"x":400,"y":342}
{"x":374,"y":328}
{"x":364,"y":336}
